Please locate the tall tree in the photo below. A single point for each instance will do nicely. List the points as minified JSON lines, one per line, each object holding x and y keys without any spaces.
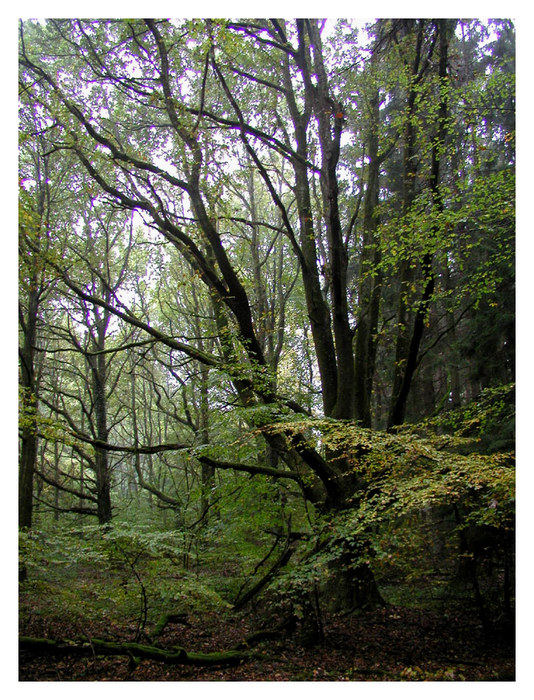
{"x":226,"y":139}
{"x":408,"y":344}
{"x":41,"y":198}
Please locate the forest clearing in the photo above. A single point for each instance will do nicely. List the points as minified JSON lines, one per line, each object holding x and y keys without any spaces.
{"x":267,"y":350}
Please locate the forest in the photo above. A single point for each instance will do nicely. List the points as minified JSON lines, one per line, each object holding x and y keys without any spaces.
{"x":266,"y":344}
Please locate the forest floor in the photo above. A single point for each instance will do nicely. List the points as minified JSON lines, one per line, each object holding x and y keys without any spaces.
{"x":391,"y":644}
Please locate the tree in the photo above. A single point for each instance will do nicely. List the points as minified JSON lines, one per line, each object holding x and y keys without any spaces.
{"x":41,"y":198}
{"x":28,"y":378}
{"x":236,"y":164}
{"x":87,"y":331}
{"x":408,"y":346}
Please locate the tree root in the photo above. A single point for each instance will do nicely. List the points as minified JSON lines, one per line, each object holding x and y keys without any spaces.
{"x":100,"y":647}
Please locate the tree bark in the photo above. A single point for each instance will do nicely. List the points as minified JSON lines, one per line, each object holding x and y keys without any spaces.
{"x":369,"y":285}
{"x":98,"y":368}
{"x":29,"y":439}
{"x":28,"y":373}
{"x":330,"y":118}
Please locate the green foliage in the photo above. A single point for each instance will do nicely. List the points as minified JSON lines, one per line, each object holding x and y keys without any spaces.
{"x":239,"y":263}
{"x":426,"y":487}
{"x":485,"y":425}
{"x":95,"y":571}
{"x":30,"y":417}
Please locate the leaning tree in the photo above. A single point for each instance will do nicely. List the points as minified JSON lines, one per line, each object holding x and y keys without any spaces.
{"x":203,"y":127}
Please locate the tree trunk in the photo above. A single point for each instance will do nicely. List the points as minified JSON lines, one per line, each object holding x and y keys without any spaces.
{"x":318,"y":310}
{"x":330,"y":117}
{"x":207,"y":470}
{"x":28,"y":457}
{"x":408,"y":350}
{"x":369,"y":291}
{"x":102,"y":470}
{"x":29,"y":439}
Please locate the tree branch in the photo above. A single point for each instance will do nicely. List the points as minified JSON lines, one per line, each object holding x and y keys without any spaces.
{"x":141,"y":449}
{"x":249,"y":468}
{"x":61,"y":487}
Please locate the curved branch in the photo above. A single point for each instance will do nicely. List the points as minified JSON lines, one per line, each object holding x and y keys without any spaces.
{"x":248,"y":30}
{"x":187,"y":349}
{"x":66,"y":489}
{"x":257,"y":161}
{"x":249,"y":468}
{"x":73,"y":509}
{"x":141,"y":449}
{"x":275,"y":144}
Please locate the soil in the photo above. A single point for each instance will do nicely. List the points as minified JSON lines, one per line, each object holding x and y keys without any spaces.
{"x":389,"y":644}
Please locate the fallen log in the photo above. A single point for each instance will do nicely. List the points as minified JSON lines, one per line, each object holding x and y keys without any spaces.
{"x":101,"y":647}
